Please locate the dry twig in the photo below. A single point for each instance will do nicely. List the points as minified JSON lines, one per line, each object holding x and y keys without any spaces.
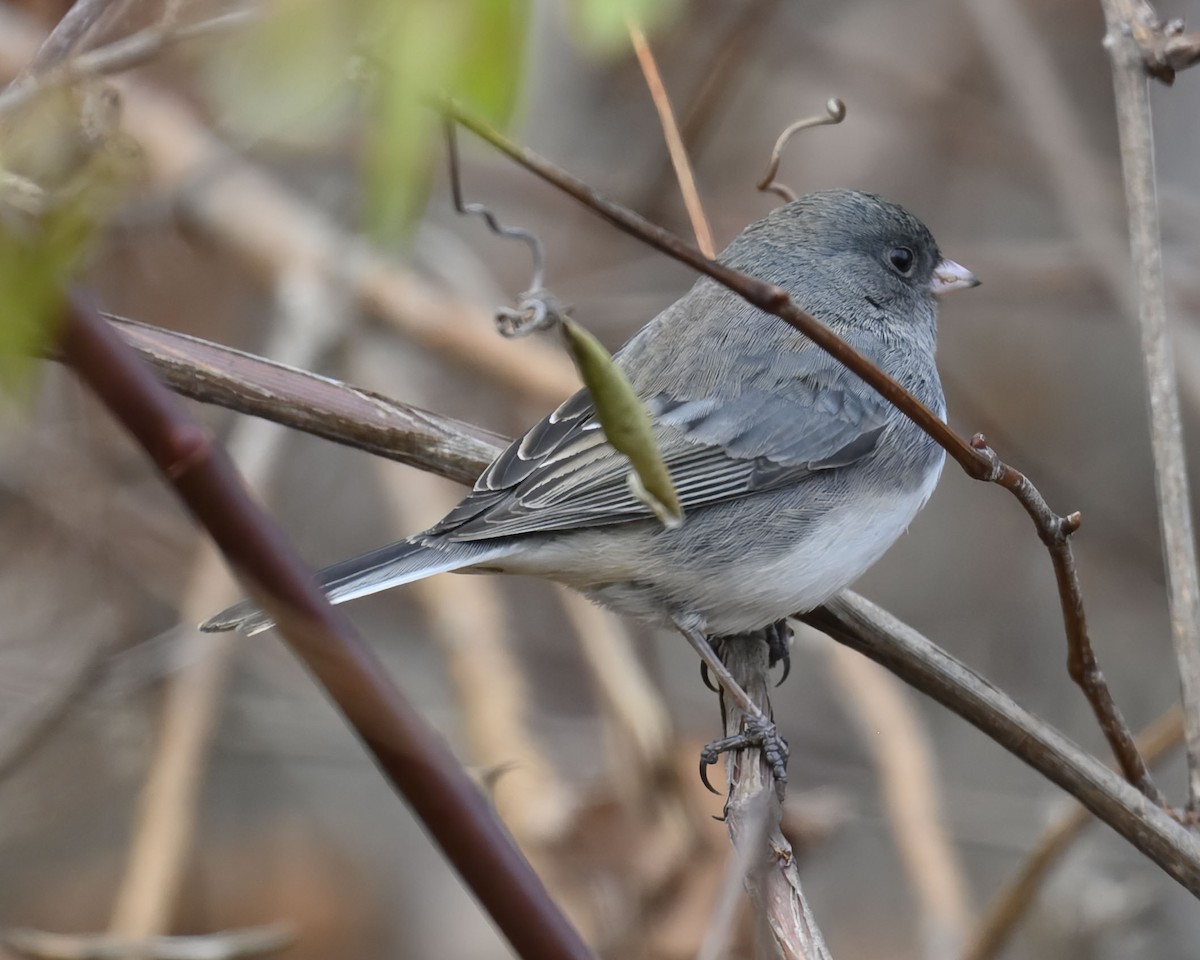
{"x":850,"y":620}
{"x":415,"y":759}
{"x":170,"y":800}
{"x":835,"y":112}
{"x":975,"y":457}
{"x":1166,"y":431}
{"x":675,"y":147}
{"x":773,"y":881}
{"x":1014,"y":899}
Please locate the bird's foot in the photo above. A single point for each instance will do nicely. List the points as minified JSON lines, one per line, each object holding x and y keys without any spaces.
{"x":778,"y":637}
{"x":779,"y":646}
{"x":756,"y":732}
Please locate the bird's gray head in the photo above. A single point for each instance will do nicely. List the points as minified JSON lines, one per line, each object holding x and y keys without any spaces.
{"x":837,"y":246}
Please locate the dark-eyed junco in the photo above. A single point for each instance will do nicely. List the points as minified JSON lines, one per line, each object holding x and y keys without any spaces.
{"x":794,"y":475}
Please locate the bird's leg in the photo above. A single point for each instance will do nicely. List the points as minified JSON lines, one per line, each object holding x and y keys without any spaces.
{"x":757,"y":732}
{"x":757,"y":729}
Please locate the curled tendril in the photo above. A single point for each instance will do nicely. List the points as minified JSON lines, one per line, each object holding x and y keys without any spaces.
{"x":835,"y":112}
{"x":537,"y":308}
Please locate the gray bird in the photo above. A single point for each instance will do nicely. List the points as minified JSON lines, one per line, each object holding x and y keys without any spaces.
{"x":794,"y":475}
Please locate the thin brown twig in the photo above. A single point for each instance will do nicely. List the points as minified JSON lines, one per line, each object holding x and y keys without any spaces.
{"x":121,"y":55}
{"x":415,"y":760}
{"x":975,"y":457}
{"x":169,"y":805}
{"x":718,"y":82}
{"x":835,"y":112}
{"x":848,"y":619}
{"x":861,"y":625}
{"x":1012,"y":902}
{"x":675,"y":147}
{"x":1166,"y":429}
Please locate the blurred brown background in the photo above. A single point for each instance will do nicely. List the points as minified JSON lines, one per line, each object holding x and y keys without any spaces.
{"x":990,"y":119}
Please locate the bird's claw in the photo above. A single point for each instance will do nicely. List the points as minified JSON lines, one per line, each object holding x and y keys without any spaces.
{"x":707,"y":678}
{"x":756,"y":732}
{"x":779,"y":646}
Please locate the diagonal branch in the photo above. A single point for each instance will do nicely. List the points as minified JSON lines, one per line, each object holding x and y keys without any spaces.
{"x":848,"y":619}
{"x":416,"y":761}
{"x":975,"y":457}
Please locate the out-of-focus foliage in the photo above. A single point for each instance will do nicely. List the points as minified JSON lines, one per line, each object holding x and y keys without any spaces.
{"x":62,"y":168}
{"x":602,"y":25}
{"x":289,"y":77}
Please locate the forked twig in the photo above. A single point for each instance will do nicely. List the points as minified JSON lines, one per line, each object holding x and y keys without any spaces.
{"x":976,"y":458}
{"x":460,"y":451}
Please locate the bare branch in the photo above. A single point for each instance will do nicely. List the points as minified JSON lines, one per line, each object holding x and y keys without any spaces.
{"x":327,"y":408}
{"x":415,"y":760}
{"x":849,"y":619}
{"x":752,"y":814}
{"x":1013,"y":901}
{"x":169,"y":803}
{"x":858,"y":623}
{"x":675,"y":146}
{"x":975,"y":457}
{"x":1126,"y":19}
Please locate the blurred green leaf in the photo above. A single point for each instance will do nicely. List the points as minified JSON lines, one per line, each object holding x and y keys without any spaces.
{"x":625,"y":422}
{"x":602,"y":24}
{"x":63,"y":166}
{"x":285,"y":77}
{"x":472,"y":50}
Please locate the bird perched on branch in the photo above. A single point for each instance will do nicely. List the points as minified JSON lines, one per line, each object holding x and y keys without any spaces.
{"x":794,"y":475}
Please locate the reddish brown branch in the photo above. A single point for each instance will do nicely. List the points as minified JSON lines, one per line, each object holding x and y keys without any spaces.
{"x":415,"y":760}
{"x":976,"y":458}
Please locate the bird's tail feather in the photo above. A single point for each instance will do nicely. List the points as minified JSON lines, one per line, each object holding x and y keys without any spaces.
{"x":390,"y":566}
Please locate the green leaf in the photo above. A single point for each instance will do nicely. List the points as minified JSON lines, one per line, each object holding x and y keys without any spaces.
{"x":625,"y":422}
{"x":490,"y":57}
{"x":284,"y":78}
{"x":63,"y":167}
{"x":469,"y":49}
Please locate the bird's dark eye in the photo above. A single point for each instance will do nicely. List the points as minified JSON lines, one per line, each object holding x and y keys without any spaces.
{"x":901,"y":258}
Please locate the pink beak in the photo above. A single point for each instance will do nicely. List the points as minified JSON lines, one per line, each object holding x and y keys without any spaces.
{"x":948,"y":275}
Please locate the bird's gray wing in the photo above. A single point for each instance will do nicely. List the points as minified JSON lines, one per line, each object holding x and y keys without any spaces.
{"x":563,"y":473}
